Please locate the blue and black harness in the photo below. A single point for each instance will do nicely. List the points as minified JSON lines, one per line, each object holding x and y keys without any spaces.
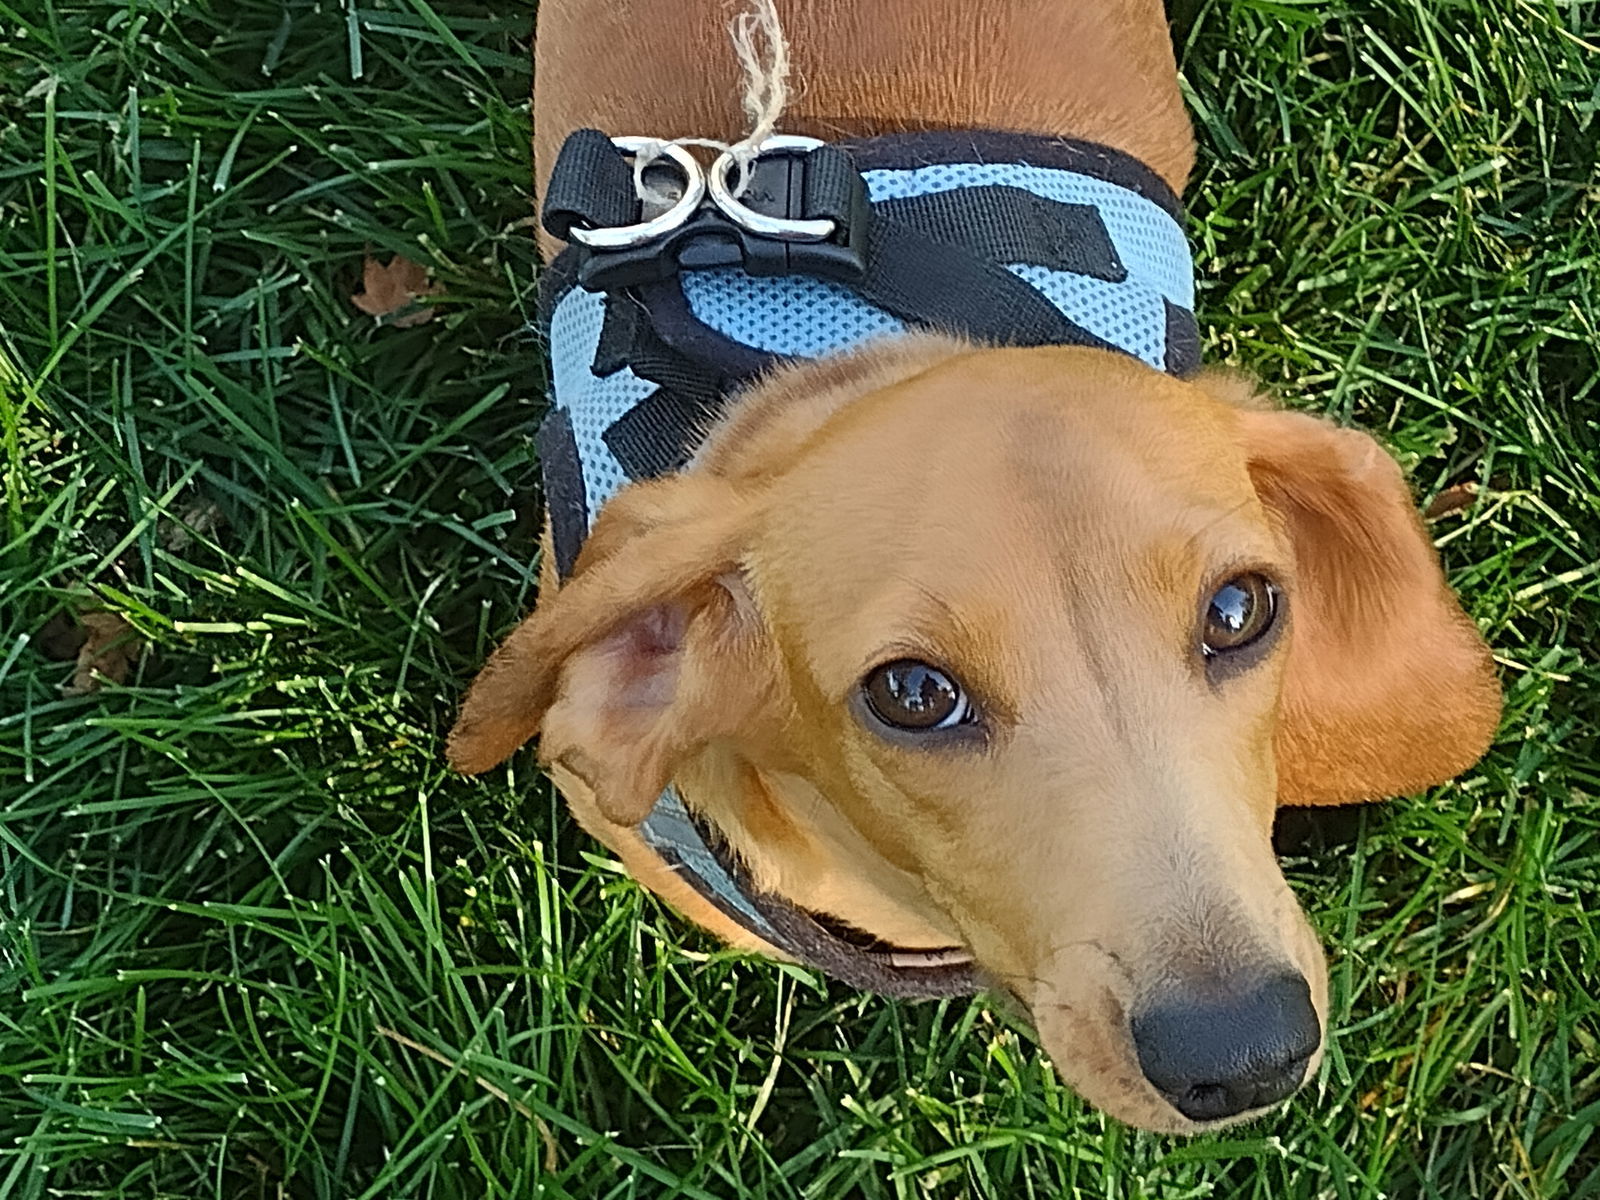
{"x":1003,"y":239}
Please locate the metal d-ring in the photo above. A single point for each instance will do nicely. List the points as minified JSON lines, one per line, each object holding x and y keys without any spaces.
{"x":781,"y":228}
{"x":621,"y":237}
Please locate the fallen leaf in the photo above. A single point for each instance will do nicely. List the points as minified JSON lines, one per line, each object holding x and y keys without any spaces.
{"x":1452,"y":500}
{"x":110,"y":648}
{"x":395,"y":288}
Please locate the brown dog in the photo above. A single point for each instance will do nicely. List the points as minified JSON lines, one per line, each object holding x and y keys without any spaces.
{"x":1013,"y":650}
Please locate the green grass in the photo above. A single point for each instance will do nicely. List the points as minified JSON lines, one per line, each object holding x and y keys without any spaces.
{"x":255,"y":941}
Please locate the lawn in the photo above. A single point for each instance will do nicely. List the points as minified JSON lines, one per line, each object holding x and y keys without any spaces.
{"x":256,"y":941}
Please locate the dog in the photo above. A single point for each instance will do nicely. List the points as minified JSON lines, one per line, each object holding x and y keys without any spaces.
{"x":943,"y":662}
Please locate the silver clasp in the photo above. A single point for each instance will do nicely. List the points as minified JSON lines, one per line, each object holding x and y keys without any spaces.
{"x":781,"y":228}
{"x":621,"y":237}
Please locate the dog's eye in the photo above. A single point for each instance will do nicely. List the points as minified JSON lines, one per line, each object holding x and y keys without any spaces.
{"x":912,"y":695}
{"x":1240,"y":611}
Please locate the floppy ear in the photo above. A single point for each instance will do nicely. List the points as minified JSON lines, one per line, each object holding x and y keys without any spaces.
{"x":640,"y":658}
{"x":1388,"y":687}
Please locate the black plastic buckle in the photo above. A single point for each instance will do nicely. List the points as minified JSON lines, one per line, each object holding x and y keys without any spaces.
{"x":777,"y":188}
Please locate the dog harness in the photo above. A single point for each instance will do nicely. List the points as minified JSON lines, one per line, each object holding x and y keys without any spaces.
{"x":654,"y":321}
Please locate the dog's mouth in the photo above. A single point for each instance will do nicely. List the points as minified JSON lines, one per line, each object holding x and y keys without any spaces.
{"x":900,"y":957}
{"x":699,"y":853}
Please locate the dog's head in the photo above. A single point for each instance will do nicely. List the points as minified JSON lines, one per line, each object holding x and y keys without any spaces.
{"x":1031,"y":643}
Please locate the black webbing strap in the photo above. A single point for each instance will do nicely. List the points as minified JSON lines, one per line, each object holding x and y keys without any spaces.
{"x":660,"y":433}
{"x":1012,"y":225}
{"x":965,"y":146}
{"x":957,"y":289}
{"x":591,"y":186}
{"x":565,"y":498}
{"x":1183,"y":341}
{"x":829,"y":180}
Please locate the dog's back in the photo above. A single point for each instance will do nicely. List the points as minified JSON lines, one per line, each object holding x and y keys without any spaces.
{"x":1100,"y":70}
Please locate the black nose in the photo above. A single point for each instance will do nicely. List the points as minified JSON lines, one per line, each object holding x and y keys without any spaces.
{"x":1229,"y":1050}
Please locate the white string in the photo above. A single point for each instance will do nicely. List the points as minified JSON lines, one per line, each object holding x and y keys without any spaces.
{"x":766,"y":94}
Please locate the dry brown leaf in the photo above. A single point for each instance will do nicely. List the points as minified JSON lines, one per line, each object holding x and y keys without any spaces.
{"x":1452,"y":500}
{"x":395,"y":288}
{"x":109,"y":650}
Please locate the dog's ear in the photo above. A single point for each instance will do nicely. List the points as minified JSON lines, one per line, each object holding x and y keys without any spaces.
{"x":649,"y":650}
{"x":1388,"y":687}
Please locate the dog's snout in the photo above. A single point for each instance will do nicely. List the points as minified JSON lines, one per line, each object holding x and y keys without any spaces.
{"x":1231,"y":1050}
